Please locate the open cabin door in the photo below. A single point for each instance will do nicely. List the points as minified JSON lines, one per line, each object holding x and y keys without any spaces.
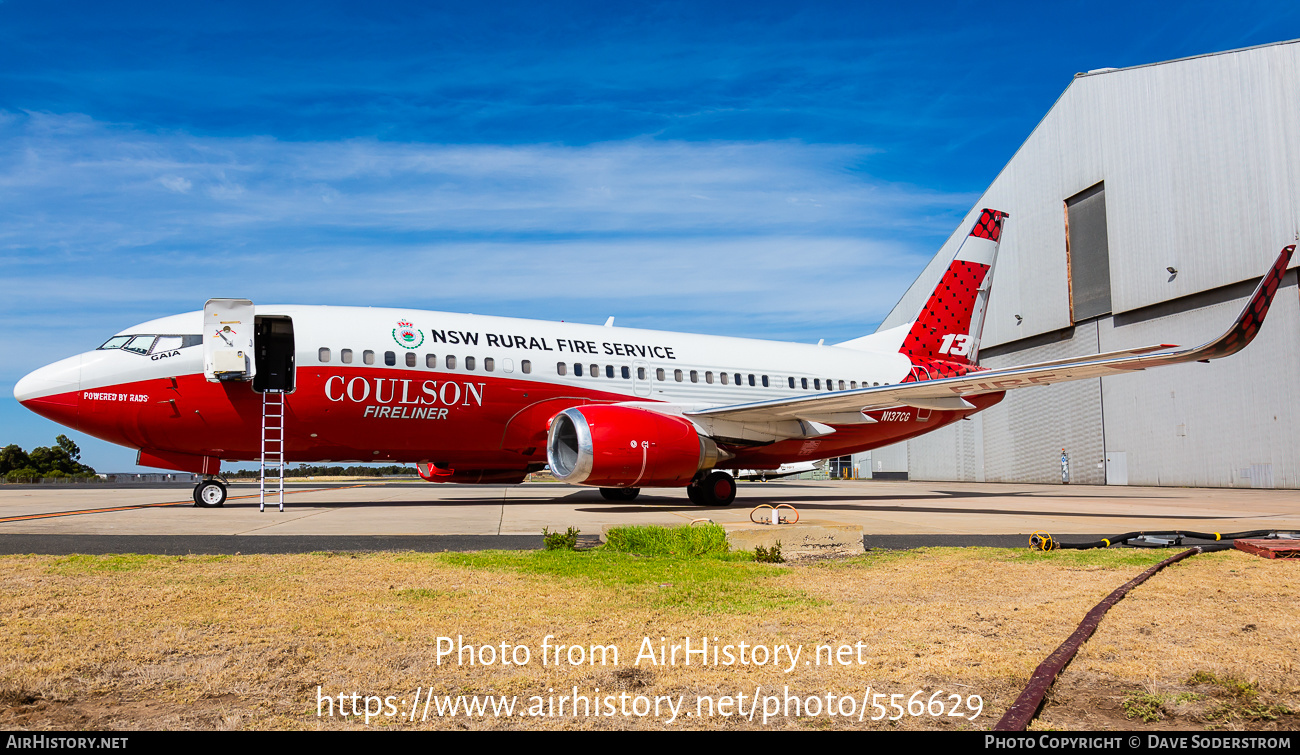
{"x":275,"y":361}
{"x":228,"y":340}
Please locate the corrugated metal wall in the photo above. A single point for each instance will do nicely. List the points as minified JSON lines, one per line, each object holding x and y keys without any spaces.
{"x":1201,"y":164}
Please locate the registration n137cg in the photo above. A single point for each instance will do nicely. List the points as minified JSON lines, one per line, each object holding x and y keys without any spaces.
{"x":476,"y":399}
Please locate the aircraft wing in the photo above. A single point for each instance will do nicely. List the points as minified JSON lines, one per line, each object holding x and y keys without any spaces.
{"x":947,"y":393}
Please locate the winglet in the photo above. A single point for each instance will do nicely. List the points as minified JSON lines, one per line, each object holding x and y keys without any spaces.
{"x":1247,"y":325}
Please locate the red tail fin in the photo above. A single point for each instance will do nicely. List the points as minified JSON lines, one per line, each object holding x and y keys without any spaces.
{"x":949,"y":326}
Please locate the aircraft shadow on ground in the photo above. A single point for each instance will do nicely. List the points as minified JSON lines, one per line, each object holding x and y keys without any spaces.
{"x":655,"y":504}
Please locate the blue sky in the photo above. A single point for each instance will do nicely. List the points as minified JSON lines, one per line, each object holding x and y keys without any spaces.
{"x":771,"y":170}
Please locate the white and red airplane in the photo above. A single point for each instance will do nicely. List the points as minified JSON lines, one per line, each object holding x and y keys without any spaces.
{"x":475,"y":399}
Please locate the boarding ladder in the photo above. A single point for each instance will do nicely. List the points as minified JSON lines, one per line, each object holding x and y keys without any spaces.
{"x":272,"y":444}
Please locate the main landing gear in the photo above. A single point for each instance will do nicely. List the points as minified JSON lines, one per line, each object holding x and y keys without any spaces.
{"x":210,"y":493}
{"x":620,"y":494}
{"x":717,"y":488}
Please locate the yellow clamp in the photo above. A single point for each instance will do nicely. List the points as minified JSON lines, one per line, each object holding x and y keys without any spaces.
{"x":1041,"y":541}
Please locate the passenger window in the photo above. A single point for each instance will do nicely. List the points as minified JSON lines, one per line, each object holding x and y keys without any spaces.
{"x":390,"y":359}
{"x":561,"y":369}
{"x":751,"y":379}
{"x":737,"y":378}
{"x":595,"y":371}
{"x":410,"y":359}
{"x":853,"y":384}
{"x":803,"y":382}
{"x":765,"y":385}
{"x":431,"y":361}
{"x":677,"y":375}
{"x":640,"y":373}
{"x":507,"y":365}
{"x":577,"y":370}
{"x":489,"y":364}
{"x":817,"y":383}
{"x":724,"y":378}
{"x":469,"y":363}
{"x":708,"y":377}
{"x":609,"y":370}
{"x":323,"y":355}
{"x":695,"y":376}
{"x":841,"y":385}
{"x":526,"y":367}
{"x":345,"y":356}
{"x":450,"y":361}
{"x":627,"y":373}
{"x":659,"y":373}
{"x":368,"y":356}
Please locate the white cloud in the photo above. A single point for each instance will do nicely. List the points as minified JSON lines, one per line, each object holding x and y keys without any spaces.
{"x":765,"y":239}
{"x":177,"y":184}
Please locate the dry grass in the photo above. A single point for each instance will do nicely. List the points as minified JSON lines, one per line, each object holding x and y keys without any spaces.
{"x":244,"y":641}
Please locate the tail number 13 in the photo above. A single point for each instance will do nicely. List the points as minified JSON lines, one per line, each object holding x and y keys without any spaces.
{"x":957,"y":345}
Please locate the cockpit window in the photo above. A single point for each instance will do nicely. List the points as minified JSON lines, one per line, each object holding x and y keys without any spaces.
{"x":139,"y":344}
{"x":145,"y":344}
{"x":168,"y":343}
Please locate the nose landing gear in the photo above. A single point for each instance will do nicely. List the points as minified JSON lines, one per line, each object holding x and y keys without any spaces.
{"x":210,"y":493}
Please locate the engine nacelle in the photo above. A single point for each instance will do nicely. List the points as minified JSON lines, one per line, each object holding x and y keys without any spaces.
{"x":626,"y":447}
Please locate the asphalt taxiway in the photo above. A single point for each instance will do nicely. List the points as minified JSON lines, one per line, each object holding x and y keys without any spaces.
{"x":414,"y":515}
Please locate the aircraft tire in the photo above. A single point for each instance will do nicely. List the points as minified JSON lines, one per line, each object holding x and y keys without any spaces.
{"x":716,"y":489}
{"x":720,"y":488}
{"x":209,"y":494}
{"x":620,"y":494}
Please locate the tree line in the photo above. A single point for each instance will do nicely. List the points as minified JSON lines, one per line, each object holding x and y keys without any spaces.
{"x":63,"y":459}
{"x":309,"y":470}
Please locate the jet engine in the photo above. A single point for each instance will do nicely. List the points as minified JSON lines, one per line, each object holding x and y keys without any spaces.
{"x":626,"y":447}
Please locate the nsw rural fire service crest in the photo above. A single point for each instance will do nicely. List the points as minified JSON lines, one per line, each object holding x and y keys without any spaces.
{"x":407,"y":336}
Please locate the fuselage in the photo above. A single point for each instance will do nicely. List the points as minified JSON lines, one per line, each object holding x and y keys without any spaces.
{"x":457,"y":390}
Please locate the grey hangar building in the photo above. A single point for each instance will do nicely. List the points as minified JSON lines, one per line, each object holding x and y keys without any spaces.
{"x":1144,"y":208}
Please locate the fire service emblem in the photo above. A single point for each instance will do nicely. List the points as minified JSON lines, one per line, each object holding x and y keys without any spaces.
{"x":407,"y":336}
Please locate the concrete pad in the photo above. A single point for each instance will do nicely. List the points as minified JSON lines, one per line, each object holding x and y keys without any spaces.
{"x":418,"y":508}
{"x":799,"y":542}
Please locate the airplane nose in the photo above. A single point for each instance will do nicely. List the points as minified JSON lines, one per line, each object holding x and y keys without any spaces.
{"x":53,"y":391}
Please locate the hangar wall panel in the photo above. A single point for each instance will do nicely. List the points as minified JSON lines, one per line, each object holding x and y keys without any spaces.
{"x":1025,"y":433}
{"x":1203,"y":164}
{"x":951,"y":453}
{"x":889,"y":460}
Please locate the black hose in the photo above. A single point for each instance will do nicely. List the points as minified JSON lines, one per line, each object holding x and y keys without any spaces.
{"x":1045,"y":542}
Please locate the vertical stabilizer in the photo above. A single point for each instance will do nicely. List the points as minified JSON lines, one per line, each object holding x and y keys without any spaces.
{"x":949,"y":325}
